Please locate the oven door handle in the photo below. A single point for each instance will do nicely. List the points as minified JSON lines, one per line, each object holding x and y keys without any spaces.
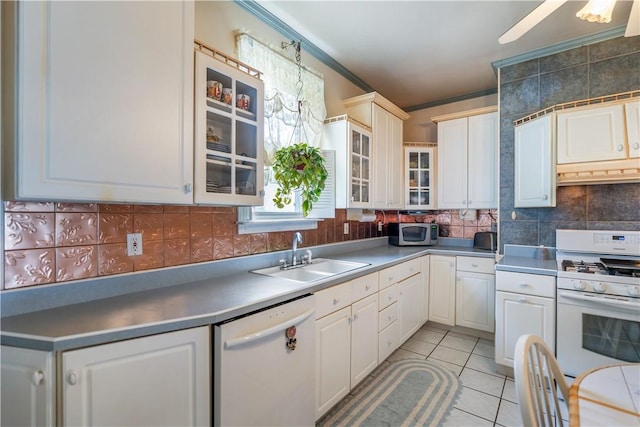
{"x":605,"y":301}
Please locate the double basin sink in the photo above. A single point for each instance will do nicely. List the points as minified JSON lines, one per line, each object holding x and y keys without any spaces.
{"x":320,"y":268}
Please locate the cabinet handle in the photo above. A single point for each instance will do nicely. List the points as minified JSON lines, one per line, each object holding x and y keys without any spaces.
{"x":545,"y":197}
{"x":524,"y":285}
{"x":261,"y":193}
{"x":355,"y":317}
{"x":72,"y":378}
{"x":474,"y":265}
{"x":522,"y":299}
{"x":620,"y":147}
{"x":335,"y":301}
{"x":37,"y":378}
{"x":636,"y":145}
{"x":187,"y":189}
{"x":367,"y":287}
{"x":469,"y":202}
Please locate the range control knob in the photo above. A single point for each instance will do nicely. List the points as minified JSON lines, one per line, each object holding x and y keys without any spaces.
{"x":599,"y":287}
{"x":634,"y":291}
{"x":579,"y":285}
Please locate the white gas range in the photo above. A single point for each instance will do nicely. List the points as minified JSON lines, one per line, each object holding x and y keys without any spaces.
{"x":598,"y":299}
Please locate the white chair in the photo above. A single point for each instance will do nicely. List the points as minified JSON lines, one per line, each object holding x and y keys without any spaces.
{"x":538,"y":378}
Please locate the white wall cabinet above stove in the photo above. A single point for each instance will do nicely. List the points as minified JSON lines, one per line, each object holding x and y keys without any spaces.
{"x":467,"y":159}
{"x":104,"y":101}
{"x":535,"y":163}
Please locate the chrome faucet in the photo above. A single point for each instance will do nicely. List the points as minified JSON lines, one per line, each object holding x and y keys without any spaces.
{"x":297,"y":238}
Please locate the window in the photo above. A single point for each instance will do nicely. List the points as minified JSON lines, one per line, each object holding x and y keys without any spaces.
{"x":287,"y":121}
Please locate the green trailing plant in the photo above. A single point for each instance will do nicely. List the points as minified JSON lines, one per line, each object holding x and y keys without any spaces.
{"x":299,"y":167}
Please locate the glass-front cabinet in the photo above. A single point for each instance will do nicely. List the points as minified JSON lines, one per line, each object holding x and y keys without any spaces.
{"x":419,"y":174}
{"x":228,"y":131}
{"x":352,"y":143}
{"x":360,"y":172}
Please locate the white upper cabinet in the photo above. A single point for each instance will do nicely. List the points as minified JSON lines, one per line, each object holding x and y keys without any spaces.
{"x":419,"y":178}
{"x":467,"y":160}
{"x":535,"y":164}
{"x":103,"y":97}
{"x":229,"y":145}
{"x":632,"y":113}
{"x":352,"y":144}
{"x":385,"y":120}
{"x":591,"y":134}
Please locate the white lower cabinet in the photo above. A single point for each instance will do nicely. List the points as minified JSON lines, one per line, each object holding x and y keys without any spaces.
{"x":424,"y":291}
{"x":442,"y":289}
{"x":409,"y":310}
{"x":525,"y":304}
{"x":346,"y":338}
{"x":159,"y":380}
{"x":475,"y":293}
{"x":27,"y":387}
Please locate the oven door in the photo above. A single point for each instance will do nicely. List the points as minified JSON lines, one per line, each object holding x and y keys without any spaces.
{"x":595,"y":330}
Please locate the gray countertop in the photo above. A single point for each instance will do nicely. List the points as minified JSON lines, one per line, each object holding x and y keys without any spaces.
{"x":529,"y":259}
{"x":216,"y":292}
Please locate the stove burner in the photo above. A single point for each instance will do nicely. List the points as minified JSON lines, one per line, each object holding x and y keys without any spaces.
{"x":584,"y":267}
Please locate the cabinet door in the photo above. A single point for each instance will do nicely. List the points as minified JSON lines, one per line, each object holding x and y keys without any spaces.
{"x":592,"y":134}
{"x":381,"y":145}
{"x":28,"y":387}
{"x":442,"y":289}
{"x":395,"y":180}
{"x":364,"y":338}
{"x":518,"y":314}
{"x":535,"y":163}
{"x":160,"y":380}
{"x":482,"y":155}
{"x":360,"y":167}
{"x":229,"y":149}
{"x":632,"y":112}
{"x":409,"y":297}
{"x":104,"y":101}
{"x":333,"y":346}
{"x":424,"y":297}
{"x":452,"y":164}
{"x":419,"y":184}
{"x":475,"y":300}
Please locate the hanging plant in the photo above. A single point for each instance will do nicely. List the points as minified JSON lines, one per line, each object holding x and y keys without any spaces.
{"x":299,"y":167}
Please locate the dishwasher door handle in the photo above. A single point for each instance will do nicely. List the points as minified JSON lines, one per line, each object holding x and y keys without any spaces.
{"x":234,"y":342}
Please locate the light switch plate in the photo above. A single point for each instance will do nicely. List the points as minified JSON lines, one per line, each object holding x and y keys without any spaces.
{"x":134,"y":244}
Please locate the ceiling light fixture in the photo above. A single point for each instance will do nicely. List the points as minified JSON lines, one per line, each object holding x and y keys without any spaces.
{"x":597,"y":11}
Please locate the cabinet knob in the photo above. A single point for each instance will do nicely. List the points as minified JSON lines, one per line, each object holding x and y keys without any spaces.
{"x":545,"y":197}
{"x":355,"y":317}
{"x":261,"y":193}
{"x":620,"y":147}
{"x":367,"y":287}
{"x":335,"y":301}
{"x":72,"y":378}
{"x":37,"y":378}
{"x":469,"y":202}
{"x":187,"y":189}
{"x":522,"y":299}
{"x":524,"y":285}
{"x":474,"y":265}
{"x":636,"y":145}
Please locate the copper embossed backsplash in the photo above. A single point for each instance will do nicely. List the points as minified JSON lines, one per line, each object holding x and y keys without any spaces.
{"x":57,"y":242}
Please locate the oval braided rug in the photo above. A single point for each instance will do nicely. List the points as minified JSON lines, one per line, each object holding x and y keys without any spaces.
{"x":409,"y":392}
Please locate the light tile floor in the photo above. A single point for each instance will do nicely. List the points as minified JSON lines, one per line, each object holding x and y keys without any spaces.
{"x":488,"y":398}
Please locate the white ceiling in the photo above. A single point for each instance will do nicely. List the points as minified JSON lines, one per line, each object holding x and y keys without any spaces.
{"x":422,"y":52}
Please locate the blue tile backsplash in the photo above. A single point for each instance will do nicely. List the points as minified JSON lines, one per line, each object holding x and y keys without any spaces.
{"x":603,"y":68}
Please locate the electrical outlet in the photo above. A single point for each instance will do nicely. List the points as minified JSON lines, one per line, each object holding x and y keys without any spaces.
{"x":379,"y":225}
{"x":134,"y":244}
{"x":346,"y":228}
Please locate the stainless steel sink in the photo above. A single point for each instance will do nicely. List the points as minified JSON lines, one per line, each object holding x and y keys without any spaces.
{"x":321,"y":268}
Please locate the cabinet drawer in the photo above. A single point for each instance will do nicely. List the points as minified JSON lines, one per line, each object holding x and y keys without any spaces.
{"x":387,"y":341}
{"x":399,"y":272}
{"x":475,"y":264}
{"x":388,"y":296}
{"x":364,"y":286}
{"x":332,"y":299}
{"x":523,"y":283}
{"x":387,"y":316}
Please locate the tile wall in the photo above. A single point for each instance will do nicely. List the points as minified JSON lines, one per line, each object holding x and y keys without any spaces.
{"x":599,"y":69}
{"x":52,"y":242}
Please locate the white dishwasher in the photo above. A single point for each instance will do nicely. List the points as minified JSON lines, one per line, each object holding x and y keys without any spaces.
{"x":264,"y":367}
